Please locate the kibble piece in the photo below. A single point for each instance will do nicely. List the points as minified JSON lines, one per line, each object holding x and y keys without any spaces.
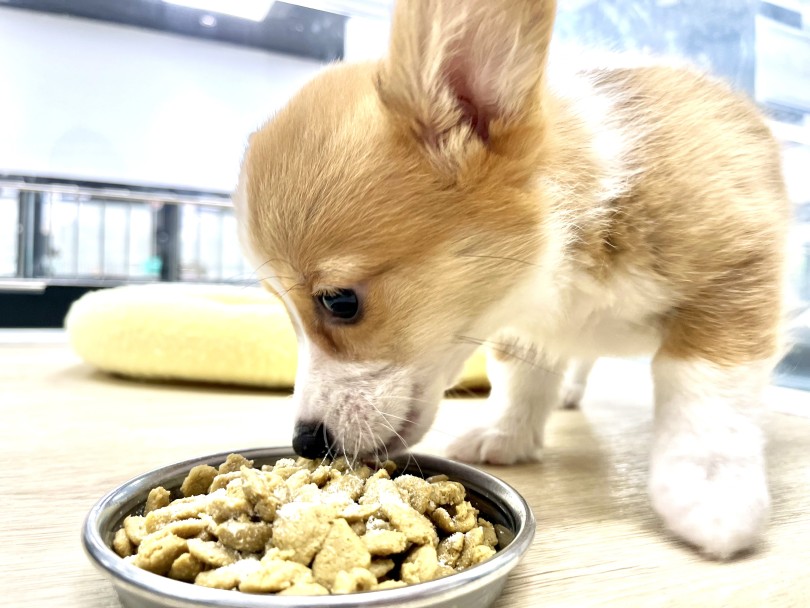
{"x":302,"y":528}
{"x":464,"y":518}
{"x":298,"y":480}
{"x":380,"y":567}
{"x":447,"y":492}
{"x":308,"y":493}
{"x":385,"y":542}
{"x":185,"y":568}
{"x":307,"y":463}
{"x":259,"y":488}
{"x":259,"y":484}
{"x":490,"y":536}
{"x":442,"y":571}
{"x":186,"y":528}
{"x":225,"y":507}
{"x":415,"y":491}
{"x":437,"y":478}
{"x":228,"y":577}
{"x":390,"y":585}
{"x":247,"y":536}
{"x":285,"y":468}
{"x":472,"y":539}
{"x":135,"y":528}
{"x":380,"y":490}
{"x":275,"y":575}
{"x":449,"y":549}
{"x":122,"y":545}
{"x":233,"y":463}
{"x":305,"y":589}
{"x":158,"y":497}
{"x":354,"y":580}
{"x":349,"y":484}
{"x":156,"y":554}
{"x":274,"y":553}
{"x":198,"y":480}
{"x":212,"y":553}
{"x":187,"y":508}
{"x":358,"y":527}
{"x":364,"y":472}
{"x":341,"y":464}
{"x":376,"y":523}
{"x":479,"y":554}
{"x":342,"y":550}
{"x":354,"y":512}
{"x":321,"y":475}
{"x":415,"y":526}
{"x":221,"y":481}
{"x":443,"y":520}
{"x":221,"y":578}
{"x":420,"y":565}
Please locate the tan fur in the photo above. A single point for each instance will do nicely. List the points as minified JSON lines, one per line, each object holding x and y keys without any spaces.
{"x":706,"y":211}
{"x":469,"y":196}
{"x":370,"y":177}
{"x":384,"y":212}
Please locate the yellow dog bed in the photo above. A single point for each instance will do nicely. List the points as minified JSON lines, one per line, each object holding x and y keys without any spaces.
{"x":201,"y":333}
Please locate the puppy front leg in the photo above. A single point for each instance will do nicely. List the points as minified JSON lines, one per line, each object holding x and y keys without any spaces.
{"x":575,"y":382}
{"x":707,"y":474}
{"x":525,"y":389}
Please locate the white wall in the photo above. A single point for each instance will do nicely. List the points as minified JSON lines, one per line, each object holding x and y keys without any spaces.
{"x":85,"y":99}
{"x":366,"y":38}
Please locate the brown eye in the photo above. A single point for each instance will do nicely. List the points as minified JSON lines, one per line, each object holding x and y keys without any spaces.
{"x":342,"y":305}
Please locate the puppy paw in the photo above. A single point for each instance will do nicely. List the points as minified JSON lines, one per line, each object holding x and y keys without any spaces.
{"x":494,"y":446}
{"x":713,"y":502}
{"x":572,"y":395}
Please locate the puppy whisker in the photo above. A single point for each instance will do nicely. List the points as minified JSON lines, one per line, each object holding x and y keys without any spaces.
{"x":508,"y":350}
{"x":401,"y":439}
{"x":377,"y":441}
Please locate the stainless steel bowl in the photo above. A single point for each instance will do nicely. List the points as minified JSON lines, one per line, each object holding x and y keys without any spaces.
{"x":476,"y":587}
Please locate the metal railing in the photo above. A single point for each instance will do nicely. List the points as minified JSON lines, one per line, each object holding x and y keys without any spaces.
{"x":70,"y":232}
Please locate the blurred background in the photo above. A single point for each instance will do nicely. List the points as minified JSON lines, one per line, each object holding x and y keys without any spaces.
{"x":122,"y":124}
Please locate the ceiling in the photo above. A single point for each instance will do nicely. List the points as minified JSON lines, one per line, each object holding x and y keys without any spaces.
{"x":288,"y":28}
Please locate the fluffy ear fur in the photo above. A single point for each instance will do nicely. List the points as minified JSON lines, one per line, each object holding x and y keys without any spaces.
{"x":466,"y":70}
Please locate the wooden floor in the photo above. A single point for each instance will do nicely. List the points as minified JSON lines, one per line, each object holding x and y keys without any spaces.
{"x":69,"y":434}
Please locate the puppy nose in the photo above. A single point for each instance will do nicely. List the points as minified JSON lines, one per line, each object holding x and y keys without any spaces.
{"x":311,"y":440}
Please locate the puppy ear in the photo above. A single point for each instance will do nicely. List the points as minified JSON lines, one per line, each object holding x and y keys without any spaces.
{"x":466,"y":70}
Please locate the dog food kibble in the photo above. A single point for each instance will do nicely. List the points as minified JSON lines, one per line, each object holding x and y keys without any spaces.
{"x":301,"y":527}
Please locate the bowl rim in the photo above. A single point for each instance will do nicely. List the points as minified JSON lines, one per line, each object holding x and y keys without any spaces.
{"x":144,"y":583}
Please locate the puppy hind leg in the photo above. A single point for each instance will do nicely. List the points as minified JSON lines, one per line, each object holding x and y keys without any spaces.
{"x":576,"y":379}
{"x":707,"y":472}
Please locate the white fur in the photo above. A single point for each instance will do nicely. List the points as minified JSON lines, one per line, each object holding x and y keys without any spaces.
{"x":573,"y":315}
{"x":579,"y":319}
{"x":525,"y":393}
{"x":575,"y":382}
{"x":707,"y":473}
{"x":371,"y":407}
{"x":609,"y":142}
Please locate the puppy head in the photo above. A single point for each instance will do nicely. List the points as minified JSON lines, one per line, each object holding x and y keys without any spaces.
{"x":393,"y":205}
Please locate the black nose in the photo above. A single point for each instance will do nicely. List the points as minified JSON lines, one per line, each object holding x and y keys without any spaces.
{"x":311,"y":440}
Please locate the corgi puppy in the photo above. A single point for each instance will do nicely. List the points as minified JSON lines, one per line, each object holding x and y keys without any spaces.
{"x":457,"y":193}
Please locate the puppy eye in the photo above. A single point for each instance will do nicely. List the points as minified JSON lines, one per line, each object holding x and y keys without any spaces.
{"x":341,"y":304}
